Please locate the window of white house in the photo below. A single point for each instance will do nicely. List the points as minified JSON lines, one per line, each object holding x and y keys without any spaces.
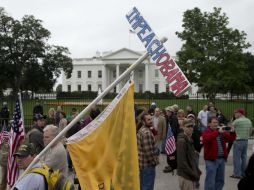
{"x":79,"y":87}
{"x":69,"y":88}
{"x":156,"y":88}
{"x":140,"y":73}
{"x":114,"y":74}
{"x":89,"y":87}
{"x":99,"y":74}
{"x":79,"y":74}
{"x":89,"y":74}
{"x":156,"y":73}
{"x":99,"y":86}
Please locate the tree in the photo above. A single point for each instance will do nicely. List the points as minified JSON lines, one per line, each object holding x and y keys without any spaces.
{"x":27,"y":60}
{"x":249,"y":61}
{"x":59,"y":88}
{"x":212,"y":53}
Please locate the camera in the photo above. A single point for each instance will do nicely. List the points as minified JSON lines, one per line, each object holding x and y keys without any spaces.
{"x":225,"y":128}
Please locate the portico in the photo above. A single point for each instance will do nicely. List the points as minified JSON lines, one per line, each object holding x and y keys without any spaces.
{"x":102,"y":69}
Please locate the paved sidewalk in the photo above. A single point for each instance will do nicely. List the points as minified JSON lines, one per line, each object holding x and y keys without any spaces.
{"x":167,"y":181}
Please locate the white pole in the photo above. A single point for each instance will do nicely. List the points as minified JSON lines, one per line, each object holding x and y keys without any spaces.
{"x":21,"y":110}
{"x":92,"y":104}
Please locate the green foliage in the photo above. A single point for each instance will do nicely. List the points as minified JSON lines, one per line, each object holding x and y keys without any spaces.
{"x":28,"y":62}
{"x":249,"y":61}
{"x":59,"y":88}
{"x":212,"y":53}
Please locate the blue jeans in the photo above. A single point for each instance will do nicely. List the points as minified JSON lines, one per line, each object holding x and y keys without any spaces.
{"x":147,"y":177}
{"x":215,"y":173}
{"x":240,"y":157}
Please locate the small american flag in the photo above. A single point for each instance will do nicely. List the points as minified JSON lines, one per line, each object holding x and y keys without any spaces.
{"x":170,"y":142}
{"x":4,"y":135}
{"x":16,"y":136}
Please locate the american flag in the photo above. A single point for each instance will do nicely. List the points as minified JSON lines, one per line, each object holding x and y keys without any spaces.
{"x":16,"y":136}
{"x":170,"y":142}
{"x":4,"y":135}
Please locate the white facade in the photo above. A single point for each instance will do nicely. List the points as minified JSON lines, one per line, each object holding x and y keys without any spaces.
{"x":102,"y":70}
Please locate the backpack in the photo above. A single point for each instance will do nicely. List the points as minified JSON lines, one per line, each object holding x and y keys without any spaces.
{"x":54,"y":180}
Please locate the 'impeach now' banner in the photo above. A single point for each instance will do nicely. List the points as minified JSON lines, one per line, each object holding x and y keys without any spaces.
{"x":168,"y":68}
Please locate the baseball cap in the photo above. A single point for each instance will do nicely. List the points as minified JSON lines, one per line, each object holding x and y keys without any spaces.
{"x":187,"y":122}
{"x":240,"y":110}
{"x":169,"y":108}
{"x":25,"y":150}
{"x":39,"y":117}
{"x":191,"y":116}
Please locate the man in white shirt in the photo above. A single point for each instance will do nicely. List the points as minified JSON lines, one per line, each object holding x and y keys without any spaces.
{"x":31,"y":181}
{"x":203,"y":117}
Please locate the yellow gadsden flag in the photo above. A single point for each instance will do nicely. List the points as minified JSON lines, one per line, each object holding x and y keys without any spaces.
{"x":104,"y":153}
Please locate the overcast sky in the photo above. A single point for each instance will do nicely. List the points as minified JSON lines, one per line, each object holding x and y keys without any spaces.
{"x":89,"y":26}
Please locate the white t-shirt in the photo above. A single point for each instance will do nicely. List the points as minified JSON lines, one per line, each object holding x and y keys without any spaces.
{"x":32,"y":181}
{"x":202,"y":115}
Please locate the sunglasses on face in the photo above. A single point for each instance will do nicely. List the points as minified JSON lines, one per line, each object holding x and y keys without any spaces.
{"x":190,"y":126}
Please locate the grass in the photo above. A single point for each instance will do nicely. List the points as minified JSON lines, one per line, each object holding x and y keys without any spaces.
{"x":226,"y":106}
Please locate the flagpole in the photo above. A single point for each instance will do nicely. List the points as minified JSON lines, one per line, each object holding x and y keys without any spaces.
{"x":21,"y":110}
{"x":92,"y":104}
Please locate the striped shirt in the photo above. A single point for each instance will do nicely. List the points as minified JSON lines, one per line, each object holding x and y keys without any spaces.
{"x":146,"y":148}
{"x":220,"y":147}
{"x":242,"y":128}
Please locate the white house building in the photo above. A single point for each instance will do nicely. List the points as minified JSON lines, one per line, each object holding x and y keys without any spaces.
{"x":91,"y":74}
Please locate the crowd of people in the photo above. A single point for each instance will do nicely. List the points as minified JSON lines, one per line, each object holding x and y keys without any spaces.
{"x":179,"y":134}
{"x":183,"y":133}
{"x":43,"y":130}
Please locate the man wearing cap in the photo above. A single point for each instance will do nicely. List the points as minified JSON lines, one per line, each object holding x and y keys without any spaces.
{"x":215,"y":153}
{"x":187,"y":167}
{"x":243,"y":129}
{"x":172,"y":122}
{"x":196,"y":140}
{"x":31,"y":181}
{"x":35,"y":135}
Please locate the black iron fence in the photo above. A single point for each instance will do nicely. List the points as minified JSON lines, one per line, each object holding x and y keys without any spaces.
{"x":224,"y":102}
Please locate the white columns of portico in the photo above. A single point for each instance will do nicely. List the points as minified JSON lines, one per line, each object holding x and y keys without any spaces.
{"x":104,"y":78}
{"x":146,"y":77}
{"x":117,"y":75}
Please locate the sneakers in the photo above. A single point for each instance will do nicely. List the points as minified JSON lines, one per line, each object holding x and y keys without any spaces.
{"x":236,"y":177}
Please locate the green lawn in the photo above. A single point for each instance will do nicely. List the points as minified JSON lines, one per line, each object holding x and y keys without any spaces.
{"x":226,"y":106}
